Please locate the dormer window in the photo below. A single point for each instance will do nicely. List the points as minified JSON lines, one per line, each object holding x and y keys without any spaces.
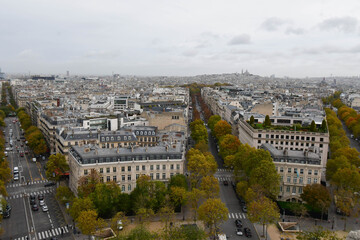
{"x":137,"y":132}
{"x":112,"y":138}
{"x":145,"y":133}
{"x":153,"y":133}
{"x":141,"y":133}
{"x":107,"y":138}
{"x":102,"y":139}
{"x":118,"y":138}
{"x":125,"y":138}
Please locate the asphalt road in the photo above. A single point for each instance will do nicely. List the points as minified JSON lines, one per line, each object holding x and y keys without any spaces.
{"x":23,"y":221}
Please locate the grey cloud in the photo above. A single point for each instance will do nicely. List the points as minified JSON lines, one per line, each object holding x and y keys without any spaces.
{"x":190,"y":53}
{"x":272,"y":24}
{"x":240,"y":39}
{"x":102,"y":54}
{"x":342,"y":24}
{"x":295,"y":31}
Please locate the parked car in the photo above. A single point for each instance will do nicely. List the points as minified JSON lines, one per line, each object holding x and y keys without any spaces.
{"x":239,"y":232}
{"x":244,"y":209}
{"x":49,"y":184}
{"x":42,"y":202}
{"x":238,"y":223}
{"x":247,"y":232}
{"x":35,"y":207}
{"x":32,"y":202}
{"x":41,"y":196}
{"x":119,"y":225}
{"x":21,"y":154}
{"x":16,"y":176}
{"x":6,"y":214}
{"x":226,"y":183}
{"x":44,"y":208}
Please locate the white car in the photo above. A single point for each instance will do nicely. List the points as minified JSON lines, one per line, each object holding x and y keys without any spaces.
{"x":42,"y":203}
{"x":119,"y":225}
{"x":239,"y":232}
{"x":44,"y":208}
{"x":16,"y":176}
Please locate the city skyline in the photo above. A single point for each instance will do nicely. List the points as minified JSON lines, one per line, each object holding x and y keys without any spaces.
{"x":297,"y":39}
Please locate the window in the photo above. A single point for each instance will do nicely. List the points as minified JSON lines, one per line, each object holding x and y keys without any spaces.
{"x":129,"y":168}
{"x":288,"y":179}
{"x":101,"y":179}
{"x":123,"y":177}
{"x":108,"y":178}
{"x":157,"y":167}
{"x":172,"y":166}
{"x":294,"y":190}
{"x":114,"y":169}
{"x":321,"y":139}
{"x":289,"y":170}
{"x":287,"y":188}
{"x":171,"y":175}
{"x":295,"y":170}
{"x":295,"y":179}
{"x":315,"y":180}
{"x":157,"y":176}
{"x":108,"y":170}
{"x":137,"y":176}
{"x":151,"y":167}
{"x":164,"y":176}
{"x":310,"y":171}
{"x":129,"y":187}
{"x":315,"y":172}
{"x":151,"y":176}
{"x":143,"y":167}
{"x":281,"y":178}
{"x":281,"y":169}
{"x":178,"y":166}
{"x":301,"y":171}
{"x":123,"y":169}
{"x":309,"y":180}
{"x":101,"y":170}
{"x":123,"y":188}
{"x":300,"y":190}
{"x":114,"y":178}
{"x":129,"y":177}
{"x":300,"y":179}
{"x":137,"y":168}
{"x":164,"y":167}
{"x":85,"y":172}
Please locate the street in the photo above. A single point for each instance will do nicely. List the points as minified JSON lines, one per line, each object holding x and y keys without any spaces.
{"x":23,"y":221}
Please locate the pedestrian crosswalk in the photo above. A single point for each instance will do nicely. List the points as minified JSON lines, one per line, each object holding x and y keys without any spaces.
{"x":53,"y":232}
{"x":221,"y":179}
{"x":30,"y":183}
{"x":48,"y":234}
{"x":237,"y":215}
{"x":19,"y":195}
{"x":224,"y":170}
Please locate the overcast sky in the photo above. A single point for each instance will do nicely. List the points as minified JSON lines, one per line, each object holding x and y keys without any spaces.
{"x":295,"y":38}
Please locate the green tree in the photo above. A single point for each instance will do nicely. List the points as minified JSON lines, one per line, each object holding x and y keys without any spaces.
{"x":313,"y":126}
{"x":202,"y":146}
{"x":210,"y":186}
{"x":199,"y":133}
{"x":105,"y":198}
{"x":178,"y":180}
{"x":263,"y":211}
{"x":267,"y":122}
{"x":87,"y":221}
{"x":212,"y":121}
{"x":140,"y":232}
{"x":79,"y":205}
{"x":56,"y":167}
{"x":64,"y":194}
{"x":252,"y":120}
{"x":317,"y":196}
{"x":120,"y":216}
{"x":241,"y":188}
{"x":323,"y":126}
{"x":213,"y":212}
{"x":144,"y":214}
{"x":221,"y":129}
{"x":347,"y":178}
{"x":333,"y":164}
{"x":266,"y":176}
{"x":167,"y":215}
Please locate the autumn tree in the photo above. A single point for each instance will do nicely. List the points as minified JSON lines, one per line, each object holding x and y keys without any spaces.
{"x":317,"y":196}
{"x":263,"y":211}
{"x":144,"y":214}
{"x":267,"y":122}
{"x":347,"y":178}
{"x":88,"y":183}
{"x":202,"y":146}
{"x":179,"y":197}
{"x":87,"y":221}
{"x":167,"y":215}
{"x":221,"y":129}
{"x":56,"y":167}
{"x":210,"y":186}
{"x":213,"y":212}
{"x":200,"y":165}
{"x":333,"y":164}
{"x":194,"y":197}
{"x":178,"y":180}
{"x":318,"y":234}
{"x":229,"y":145}
{"x":119,"y":216}
{"x":345,"y":203}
